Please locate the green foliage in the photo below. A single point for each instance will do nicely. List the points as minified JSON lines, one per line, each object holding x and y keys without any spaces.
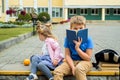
{"x":1,"y":22}
{"x":8,"y":26}
{"x":43,"y":17}
{"x":15,"y":24}
{"x":25,"y":17}
{"x":18,"y":23}
{"x":6,"y":33}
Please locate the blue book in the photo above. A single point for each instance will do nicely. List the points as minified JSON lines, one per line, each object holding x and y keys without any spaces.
{"x":74,"y":34}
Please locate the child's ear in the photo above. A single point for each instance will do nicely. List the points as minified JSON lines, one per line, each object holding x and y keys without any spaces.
{"x":85,"y":25}
{"x":71,"y":26}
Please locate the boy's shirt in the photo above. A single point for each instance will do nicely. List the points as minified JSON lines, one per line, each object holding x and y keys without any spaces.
{"x":83,"y":47}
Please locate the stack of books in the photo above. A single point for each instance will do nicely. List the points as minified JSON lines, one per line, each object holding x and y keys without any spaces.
{"x":104,"y":66}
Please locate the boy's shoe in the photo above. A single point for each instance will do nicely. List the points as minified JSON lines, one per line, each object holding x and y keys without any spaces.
{"x":32,"y":77}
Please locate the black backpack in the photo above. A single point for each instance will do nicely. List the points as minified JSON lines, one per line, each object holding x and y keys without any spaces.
{"x":106,"y":55}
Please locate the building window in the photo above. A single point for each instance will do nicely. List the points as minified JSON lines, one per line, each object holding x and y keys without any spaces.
{"x":0,"y":11}
{"x":83,"y":11}
{"x":3,"y":6}
{"x":116,"y":11}
{"x":28,"y":9}
{"x":72,"y":11}
{"x":57,"y":12}
{"x":42,"y":10}
{"x":15,"y":14}
{"x":107,"y":11}
{"x":95,"y":11}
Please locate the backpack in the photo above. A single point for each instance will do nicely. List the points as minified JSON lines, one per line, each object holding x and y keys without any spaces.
{"x":106,"y":55}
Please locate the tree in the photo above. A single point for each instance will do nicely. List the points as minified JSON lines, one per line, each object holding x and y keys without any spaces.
{"x":25,"y":17}
{"x":44,"y":17}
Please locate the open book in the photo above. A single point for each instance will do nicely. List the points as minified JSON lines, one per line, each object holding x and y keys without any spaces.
{"x":108,"y":69}
{"x":105,"y":64}
{"x":73,"y":35}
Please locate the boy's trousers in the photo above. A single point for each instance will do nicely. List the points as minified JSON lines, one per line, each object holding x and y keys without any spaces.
{"x":81,"y":68}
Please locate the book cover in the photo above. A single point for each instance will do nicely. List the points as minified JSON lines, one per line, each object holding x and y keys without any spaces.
{"x":73,"y":35}
{"x":109,"y":68}
{"x":105,"y":64}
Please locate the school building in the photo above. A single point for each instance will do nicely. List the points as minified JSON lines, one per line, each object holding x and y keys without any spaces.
{"x":59,"y":10}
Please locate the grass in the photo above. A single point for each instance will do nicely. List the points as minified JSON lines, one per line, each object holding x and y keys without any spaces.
{"x":6,"y":33}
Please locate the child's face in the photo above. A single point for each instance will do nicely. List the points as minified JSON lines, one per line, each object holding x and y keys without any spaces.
{"x":77,"y":26}
{"x":41,"y":37}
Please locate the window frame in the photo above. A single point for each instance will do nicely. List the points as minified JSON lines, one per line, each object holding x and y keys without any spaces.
{"x":28,"y":9}
{"x":117,"y":11}
{"x":85,"y":11}
{"x":72,"y":11}
{"x":42,"y":9}
{"x":57,"y":12}
{"x":107,"y":11}
{"x":3,"y":6}
{"x":96,"y":11}
{"x":0,"y":11}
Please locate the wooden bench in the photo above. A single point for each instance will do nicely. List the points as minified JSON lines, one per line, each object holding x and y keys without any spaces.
{"x":90,"y":73}
{"x":95,"y":75}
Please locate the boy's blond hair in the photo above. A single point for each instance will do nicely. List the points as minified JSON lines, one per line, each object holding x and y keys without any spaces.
{"x":81,"y":20}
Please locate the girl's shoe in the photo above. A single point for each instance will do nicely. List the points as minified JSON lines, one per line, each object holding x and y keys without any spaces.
{"x":32,"y":77}
{"x":52,"y":78}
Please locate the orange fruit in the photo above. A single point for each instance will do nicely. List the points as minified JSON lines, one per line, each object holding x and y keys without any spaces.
{"x":26,"y":62}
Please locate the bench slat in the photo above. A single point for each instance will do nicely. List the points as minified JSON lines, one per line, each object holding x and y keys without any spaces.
{"x":90,"y":73}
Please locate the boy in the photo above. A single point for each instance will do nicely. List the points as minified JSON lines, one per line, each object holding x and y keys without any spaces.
{"x":77,"y":55}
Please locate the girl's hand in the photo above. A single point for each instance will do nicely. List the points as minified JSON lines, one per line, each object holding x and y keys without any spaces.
{"x":55,"y":62}
{"x":77,"y":43}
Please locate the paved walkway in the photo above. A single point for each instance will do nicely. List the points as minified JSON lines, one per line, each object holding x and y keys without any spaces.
{"x":105,"y":35}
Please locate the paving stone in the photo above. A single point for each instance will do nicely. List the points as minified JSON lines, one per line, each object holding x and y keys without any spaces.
{"x":104,"y":36}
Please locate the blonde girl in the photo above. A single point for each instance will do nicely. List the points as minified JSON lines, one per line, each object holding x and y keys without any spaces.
{"x":51,"y":57}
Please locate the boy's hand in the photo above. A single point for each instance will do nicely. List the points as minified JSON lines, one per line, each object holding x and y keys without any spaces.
{"x":55,"y":62}
{"x":73,"y":71}
{"x":77,"y":43}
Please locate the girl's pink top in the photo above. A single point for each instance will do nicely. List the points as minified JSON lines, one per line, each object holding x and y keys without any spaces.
{"x":54,"y":49}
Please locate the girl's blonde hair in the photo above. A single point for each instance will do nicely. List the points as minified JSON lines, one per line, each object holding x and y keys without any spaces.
{"x":81,"y":20}
{"x":47,"y":25}
{"x":45,"y":30}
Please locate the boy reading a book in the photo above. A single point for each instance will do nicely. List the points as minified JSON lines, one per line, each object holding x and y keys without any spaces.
{"x":77,"y":56}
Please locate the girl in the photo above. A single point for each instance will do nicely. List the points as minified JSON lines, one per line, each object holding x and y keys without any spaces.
{"x":51,"y":54}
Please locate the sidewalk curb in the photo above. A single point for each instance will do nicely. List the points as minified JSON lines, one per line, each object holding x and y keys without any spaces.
{"x":9,"y":42}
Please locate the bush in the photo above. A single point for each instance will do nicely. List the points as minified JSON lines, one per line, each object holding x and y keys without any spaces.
{"x":8,"y":25}
{"x":44,"y":17}
{"x":19,"y":23}
{"x":27,"y":25}
{"x":25,"y":17}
